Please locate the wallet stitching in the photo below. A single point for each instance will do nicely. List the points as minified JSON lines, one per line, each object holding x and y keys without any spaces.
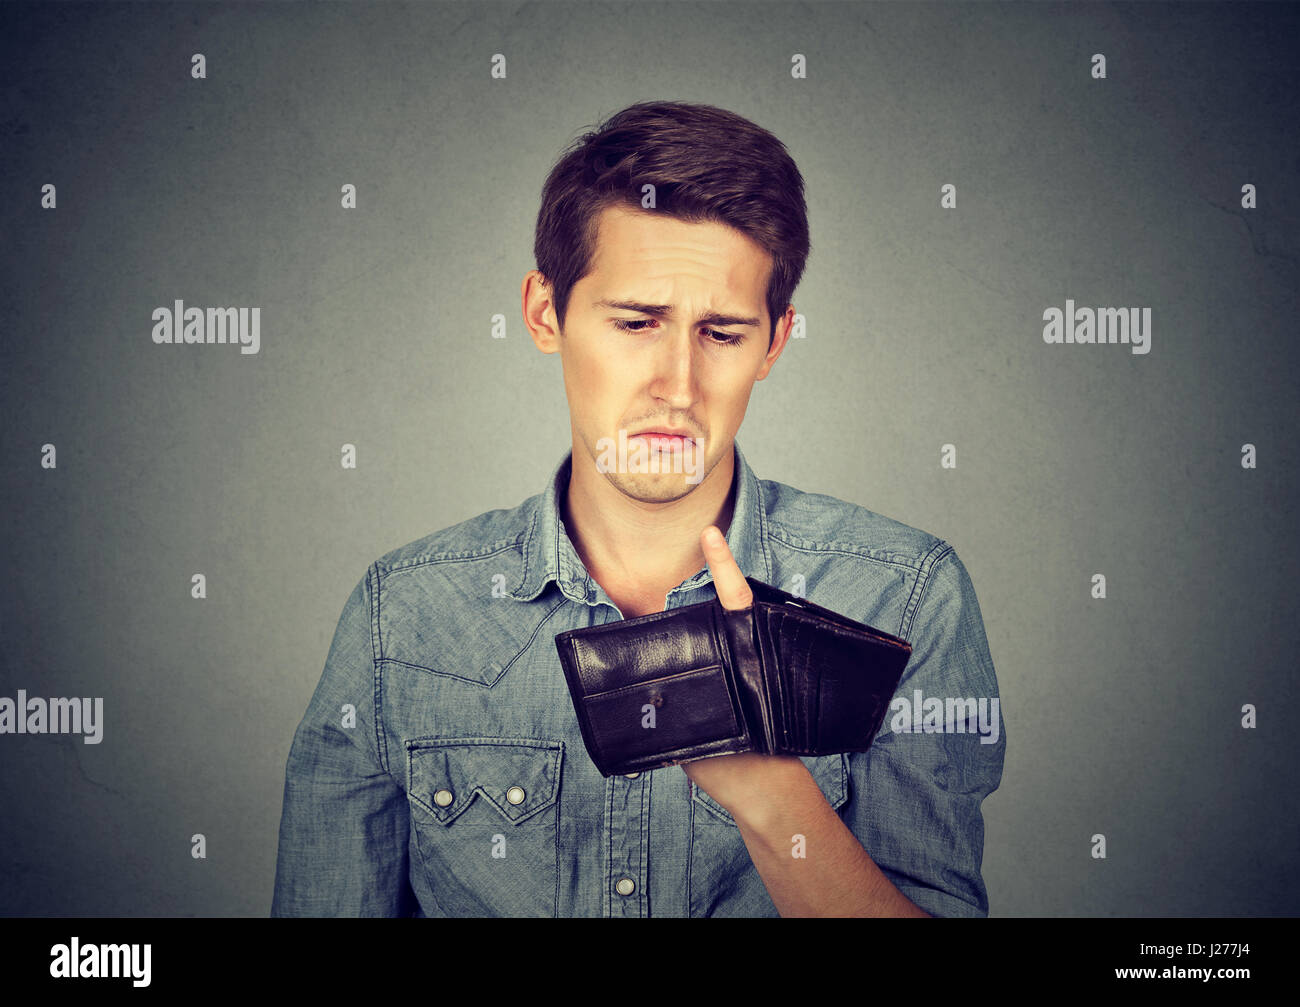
{"x":652,"y":681}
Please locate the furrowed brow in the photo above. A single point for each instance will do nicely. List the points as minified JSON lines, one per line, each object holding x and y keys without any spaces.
{"x":666,"y":310}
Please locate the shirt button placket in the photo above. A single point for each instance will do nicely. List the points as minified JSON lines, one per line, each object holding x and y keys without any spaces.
{"x":629,"y":822}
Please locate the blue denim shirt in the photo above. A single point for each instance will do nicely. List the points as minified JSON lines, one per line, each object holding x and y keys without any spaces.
{"x":439,"y":769}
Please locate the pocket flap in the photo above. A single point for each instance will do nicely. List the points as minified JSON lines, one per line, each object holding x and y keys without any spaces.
{"x":517,"y":776}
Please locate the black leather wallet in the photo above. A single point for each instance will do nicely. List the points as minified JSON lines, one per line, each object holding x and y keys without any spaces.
{"x":783,"y":676}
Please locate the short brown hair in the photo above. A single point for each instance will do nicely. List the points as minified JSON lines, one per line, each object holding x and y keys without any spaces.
{"x":706,"y":164}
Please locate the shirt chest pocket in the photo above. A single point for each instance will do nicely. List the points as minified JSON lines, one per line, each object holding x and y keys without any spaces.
{"x":484,"y":819}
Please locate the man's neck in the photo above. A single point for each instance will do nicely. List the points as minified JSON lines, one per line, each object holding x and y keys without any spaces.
{"x":629,"y":545}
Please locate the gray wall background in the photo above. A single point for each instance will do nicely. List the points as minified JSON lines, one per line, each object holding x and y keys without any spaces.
{"x":924,"y":328}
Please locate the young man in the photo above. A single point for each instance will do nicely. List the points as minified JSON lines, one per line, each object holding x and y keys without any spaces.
{"x":440,"y":770}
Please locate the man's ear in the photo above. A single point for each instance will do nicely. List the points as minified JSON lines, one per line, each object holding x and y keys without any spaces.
{"x":539,"y":311}
{"x":779,"y":339}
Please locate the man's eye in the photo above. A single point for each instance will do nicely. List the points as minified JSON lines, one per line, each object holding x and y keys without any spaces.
{"x":631,"y":325}
{"x":637,"y":325}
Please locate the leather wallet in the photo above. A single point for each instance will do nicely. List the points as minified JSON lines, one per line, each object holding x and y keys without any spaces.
{"x":783,"y":676}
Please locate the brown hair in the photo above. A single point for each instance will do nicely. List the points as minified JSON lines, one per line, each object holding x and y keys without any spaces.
{"x":706,"y":164}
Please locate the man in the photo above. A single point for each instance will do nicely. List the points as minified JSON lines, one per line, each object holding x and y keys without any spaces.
{"x":440,"y":770}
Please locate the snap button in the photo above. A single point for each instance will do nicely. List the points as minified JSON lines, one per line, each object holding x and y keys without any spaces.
{"x":631,"y":776}
{"x":442,"y":798}
{"x":625,"y":886}
{"x":515,"y":795}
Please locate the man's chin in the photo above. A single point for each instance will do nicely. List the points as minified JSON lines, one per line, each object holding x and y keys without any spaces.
{"x":653,"y":487}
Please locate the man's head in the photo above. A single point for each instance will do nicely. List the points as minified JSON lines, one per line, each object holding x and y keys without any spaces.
{"x":668,"y":244}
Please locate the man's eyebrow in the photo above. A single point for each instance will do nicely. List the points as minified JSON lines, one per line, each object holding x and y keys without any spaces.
{"x":664,"y":310}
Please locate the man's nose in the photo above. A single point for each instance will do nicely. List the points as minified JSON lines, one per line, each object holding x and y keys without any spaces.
{"x":674,"y":370}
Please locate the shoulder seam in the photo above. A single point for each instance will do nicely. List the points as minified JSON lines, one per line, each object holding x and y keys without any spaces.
{"x":783,"y":535}
{"x":426,"y":558}
{"x":376,"y":651}
{"x":933,"y":558}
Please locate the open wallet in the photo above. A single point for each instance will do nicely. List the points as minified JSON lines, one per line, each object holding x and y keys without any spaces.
{"x":783,"y":677}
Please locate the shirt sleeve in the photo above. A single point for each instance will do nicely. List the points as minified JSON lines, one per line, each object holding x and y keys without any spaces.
{"x":920,"y":818}
{"x":344,"y":826}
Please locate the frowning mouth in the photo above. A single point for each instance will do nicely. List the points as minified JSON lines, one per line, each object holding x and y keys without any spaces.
{"x":659,"y":441}
{"x":652,"y":451}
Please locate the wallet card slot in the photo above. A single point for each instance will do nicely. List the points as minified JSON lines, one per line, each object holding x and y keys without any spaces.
{"x":804,"y":680}
{"x":773,"y":693}
{"x":794,"y":638}
{"x":811,"y":611}
{"x":845,"y":682}
{"x":664,"y":715}
{"x":739,"y":632}
{"x":780,"y":682}
{"x":857,"y":684}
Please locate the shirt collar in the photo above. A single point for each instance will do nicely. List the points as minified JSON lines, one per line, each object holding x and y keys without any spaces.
{"x":549,"y":554}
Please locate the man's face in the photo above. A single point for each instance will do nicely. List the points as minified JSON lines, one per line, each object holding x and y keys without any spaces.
{"x":668,"y":331}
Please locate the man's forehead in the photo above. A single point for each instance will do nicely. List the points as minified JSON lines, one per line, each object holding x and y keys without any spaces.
{"x":635,"y":231}
{"x":631,"y":265}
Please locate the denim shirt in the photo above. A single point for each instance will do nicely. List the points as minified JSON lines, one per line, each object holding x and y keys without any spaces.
{"x":439,"y":769}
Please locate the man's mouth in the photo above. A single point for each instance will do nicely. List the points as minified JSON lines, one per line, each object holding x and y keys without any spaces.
{"x":657,"y":440}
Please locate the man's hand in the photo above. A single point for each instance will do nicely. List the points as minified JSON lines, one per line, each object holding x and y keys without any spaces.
{"x":740,"y":782}
{"x":775,"y":800}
